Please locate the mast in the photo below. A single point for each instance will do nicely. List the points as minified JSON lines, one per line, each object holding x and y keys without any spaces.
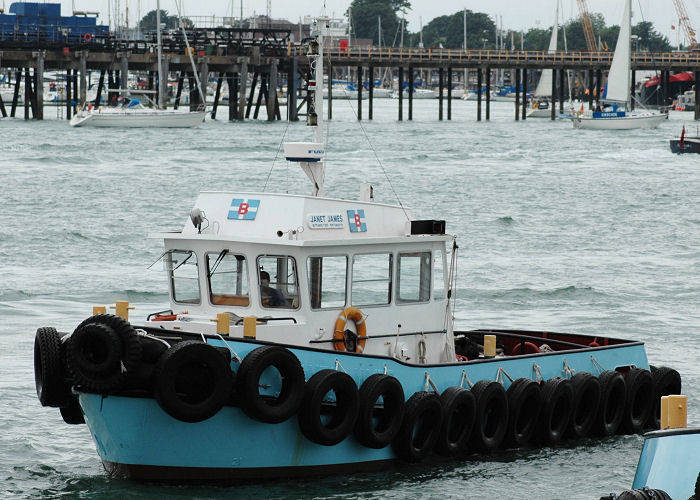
{"x":160,"y":57}
{"x":311,"y":155}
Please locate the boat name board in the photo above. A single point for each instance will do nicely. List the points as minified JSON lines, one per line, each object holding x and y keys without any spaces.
{"x":608,"y":114}
{"x":325,"y":221}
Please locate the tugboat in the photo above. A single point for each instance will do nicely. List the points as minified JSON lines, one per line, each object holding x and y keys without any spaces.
{"x":309,"y":335}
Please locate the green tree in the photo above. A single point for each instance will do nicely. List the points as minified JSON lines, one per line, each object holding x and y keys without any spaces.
{"x":649,"y":39}
{"x":365,"y":14}
{"x":148,"y":22}
{"x":448,"y":31}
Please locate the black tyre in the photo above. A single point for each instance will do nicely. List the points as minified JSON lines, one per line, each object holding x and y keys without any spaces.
{"x":51,"y":387}
{"x":639,"y":389}
{"x":287,"y":384}
{"x":612,"y":403}
{"x":524,"y":401}
{"x":95,"y":347}
{"x":420,"y":429}
{"x":491,"y":421}
{"x":644,"y":494}
{"x":557,"y":406}
{"x":666,"y":381}
{"x":459,"y":410}
{"x":585,"y":406}
{"x":325,"y":420}
{"x":378,"y":422}
{"x":193,"y":381}
{"x":72,"y":414}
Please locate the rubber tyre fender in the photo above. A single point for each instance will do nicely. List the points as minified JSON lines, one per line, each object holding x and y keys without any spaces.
{"x":72,"y":414}
{"x":95,"y":350}
{"x":128,"y":363}
{"x":524,"y":403}
{"x":377,"y":424}
{"x":612,"y":403}
{"x":341,"y":415}
{"x":269,"y":409}
{"x":639,"y":389}
{"x":491,"y":420}
{"x":644,"y":494}
{"x":51,"y":387}
{"x":420,"y":428}
{"x":192,"y":381}
{"x":586,"y":402}
{"x":557,"y":406}
{"x":459,"y":411}
{"x":666,"y":381}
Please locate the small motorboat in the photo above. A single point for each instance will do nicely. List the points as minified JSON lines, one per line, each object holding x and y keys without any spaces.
{"x":685,"y":144}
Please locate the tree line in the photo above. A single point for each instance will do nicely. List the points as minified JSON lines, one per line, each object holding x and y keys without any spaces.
{"x":448,"y":31}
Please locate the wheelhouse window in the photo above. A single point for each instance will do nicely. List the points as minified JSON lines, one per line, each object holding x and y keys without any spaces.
{"x":278,"y":282}
{"x":414,"y":277}
{"x":327,"y":280}
{"x":371,"y":279}
{"x":438,"y":275}
{"x":228,"y":279}
{"x":184,"y":275}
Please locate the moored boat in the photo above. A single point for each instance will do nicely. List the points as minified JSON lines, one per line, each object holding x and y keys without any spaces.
{"x":333,"y":350}
{"x":685,"y":144}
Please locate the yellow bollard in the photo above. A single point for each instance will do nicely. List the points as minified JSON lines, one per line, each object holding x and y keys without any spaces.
{"x":674,"y":412}
{"x":98,"y":310}
{"x":223,"y":323}
{"x":249,"y":326}
{"x":122,"y":309}
{"x":489,"y":346}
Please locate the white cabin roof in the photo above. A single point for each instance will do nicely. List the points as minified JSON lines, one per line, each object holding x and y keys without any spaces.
{"x":284,"y":218}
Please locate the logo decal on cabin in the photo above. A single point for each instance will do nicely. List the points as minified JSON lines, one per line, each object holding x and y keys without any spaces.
{"x":356,"y":221}
{"x":243,"y":209}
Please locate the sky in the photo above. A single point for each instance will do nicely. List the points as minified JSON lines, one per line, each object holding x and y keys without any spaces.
{"x":516,"y":14}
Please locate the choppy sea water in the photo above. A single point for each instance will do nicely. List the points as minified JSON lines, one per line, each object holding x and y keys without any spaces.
{"x":565,"y":230}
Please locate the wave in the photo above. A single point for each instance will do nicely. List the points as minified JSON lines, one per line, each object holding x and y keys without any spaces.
{"x":506,"y":221}
{"x":529,"y":294}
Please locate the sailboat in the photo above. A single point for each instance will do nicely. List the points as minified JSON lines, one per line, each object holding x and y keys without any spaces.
{"x":131,"y":113}
{"x":541,"y":101}
{"x":617,"y":91}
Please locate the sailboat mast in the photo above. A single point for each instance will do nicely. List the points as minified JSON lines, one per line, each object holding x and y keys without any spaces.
{"x":628,"y":6}
{"x":160,"y":57}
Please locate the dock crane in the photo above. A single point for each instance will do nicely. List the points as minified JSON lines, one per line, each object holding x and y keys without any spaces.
{"x":588,"y":25}
{"x":684,"y":21}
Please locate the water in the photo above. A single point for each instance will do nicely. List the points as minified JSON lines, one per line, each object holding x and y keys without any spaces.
{"x":582,"y":231}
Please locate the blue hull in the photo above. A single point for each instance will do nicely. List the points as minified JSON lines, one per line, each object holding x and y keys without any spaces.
{"x":669,"y":461}
{"x":136,"y":438}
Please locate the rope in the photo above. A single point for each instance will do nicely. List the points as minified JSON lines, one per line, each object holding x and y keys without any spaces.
{"x":337,"y":364}
{"x":465,"y":377}
{"x":499,"y":375}
{"x":597,"y":365}
{"x":568,"y":371}
{"x":234,"y":355}
{"x":376,"y":156}
{"x":276,"y":155}
{"x":537,"y":371}
{"x":429,"y":383}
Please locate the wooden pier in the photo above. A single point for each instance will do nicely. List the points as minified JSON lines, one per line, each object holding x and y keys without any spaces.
{"x":247,"y":61}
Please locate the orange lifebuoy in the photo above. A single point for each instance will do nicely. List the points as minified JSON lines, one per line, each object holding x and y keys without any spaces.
{"x":347,"y":340}
{"x":164,"y":317}
{"x":87,"y":37}
{"x":530,"y":348}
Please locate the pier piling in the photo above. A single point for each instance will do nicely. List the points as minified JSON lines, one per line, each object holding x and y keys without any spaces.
{"x":524,"y":104}
{"x":401,"y":91}
{"x":441,"y":85}
{"x":449,"y":93}
{"x":411,"y":88}
{"x":479,"y":82}
{"x":517,"y":94}
{"x":488,"y":94}
{"x":562,"y":89}
{"x":553,"y":104}
{"x":359,"y":93}
{"x":370,"y":104}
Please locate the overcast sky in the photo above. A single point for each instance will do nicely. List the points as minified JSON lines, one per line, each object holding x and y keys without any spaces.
{"x":516,"y":14}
